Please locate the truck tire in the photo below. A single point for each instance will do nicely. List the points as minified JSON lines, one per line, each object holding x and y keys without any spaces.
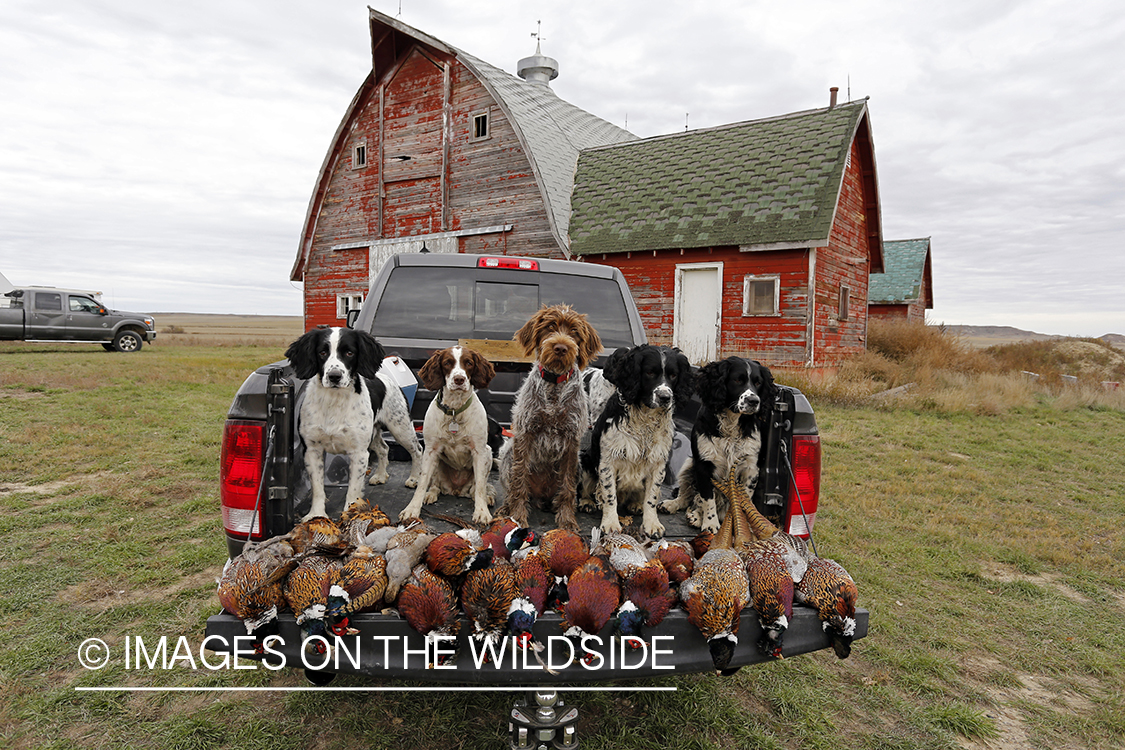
{"x":127,"y":340}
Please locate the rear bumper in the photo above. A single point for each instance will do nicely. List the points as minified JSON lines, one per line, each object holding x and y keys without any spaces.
{"x":387,"y":647}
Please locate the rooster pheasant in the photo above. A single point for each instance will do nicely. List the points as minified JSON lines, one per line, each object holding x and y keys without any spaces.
{"x":306,"y":593}
{"x":677,"y":557}
{"x":714,"y":597}
{"x":358,"y":588}
{"x":595,"y":594}
{"x":456,"y":553}
{"x":565,"y":552}
{"x":486,"y":597}
{"x":429,"y":605}
{"x":828,"y":588}
{"x":646,"y":593}
{"x":360,"y":519}
{"x":252,"y":586}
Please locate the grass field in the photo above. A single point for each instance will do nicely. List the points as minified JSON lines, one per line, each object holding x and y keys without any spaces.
{"x":987,"y":547}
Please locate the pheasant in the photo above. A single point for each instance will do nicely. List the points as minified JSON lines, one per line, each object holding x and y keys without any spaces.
{"x":771,"y":590}
{"x":306,"y":593}
{"x":714,"y":597}
{"x":360,"y":519}
{"x":455,"y":553}
{"x":486,"y":597}
{"x":429,"y":605}
{"x":595,"y":594}
{"x":506,"y":536}
{"x":404,"y":550}
{"x":645,"y":588}
{"x":252,"y":586}
{"x":828,"y":588}
{"x":320,"y":534}
{"x":359,"y":588}
{"x":533,"y":576}
{"x":677,"y":557}
{"x":565,"y":552}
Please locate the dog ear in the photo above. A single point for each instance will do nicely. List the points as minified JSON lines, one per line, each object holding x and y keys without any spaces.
{"x":432,"y":373}
{"x":615,"y":367}
{"x":482,"y":370}
{"x":528,"y":335}
{"x":712,"y":385}
{"x":685,"y":377}
{"x":624,"y":371}
{"x":770,"y":390}
{"x":302,"y":355}
{"x":369,"y":354}
{"x":589,"y":344}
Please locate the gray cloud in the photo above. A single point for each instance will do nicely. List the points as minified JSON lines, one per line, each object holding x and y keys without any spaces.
{"x":166,"y":153}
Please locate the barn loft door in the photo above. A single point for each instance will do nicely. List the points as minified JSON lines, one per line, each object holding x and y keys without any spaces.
{"x":412,"y":148}
{"x":698,"y":310}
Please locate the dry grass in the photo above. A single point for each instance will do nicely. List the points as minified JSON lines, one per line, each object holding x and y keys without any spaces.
{"x":925,"y":367}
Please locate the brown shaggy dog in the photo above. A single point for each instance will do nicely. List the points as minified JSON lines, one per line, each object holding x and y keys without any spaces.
{"x":550,"y":415}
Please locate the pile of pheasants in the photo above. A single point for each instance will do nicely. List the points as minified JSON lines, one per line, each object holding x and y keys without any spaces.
{"x":505,"y":577}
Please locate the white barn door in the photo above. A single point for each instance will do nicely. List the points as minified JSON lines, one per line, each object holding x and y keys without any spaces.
{"x":698,"y":310}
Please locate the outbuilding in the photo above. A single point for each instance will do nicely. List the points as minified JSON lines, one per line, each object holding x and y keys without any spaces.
{"x":905,"y":289}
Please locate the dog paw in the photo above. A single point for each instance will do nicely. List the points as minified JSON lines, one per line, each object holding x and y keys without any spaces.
{"x":653,"y":530}
{"x":672,"y":505}
{"x":431,"y":497}
{"x":711,"y":524}
{"x":411,"y":482}
{"x":409,"y":512}
{"x":693,"y":518}
{"x":482,"y":516}
{"x":611,"y":525}
{"x":379,"y":477}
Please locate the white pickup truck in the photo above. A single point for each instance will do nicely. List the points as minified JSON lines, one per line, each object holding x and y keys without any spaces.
{"x":43,"y":313}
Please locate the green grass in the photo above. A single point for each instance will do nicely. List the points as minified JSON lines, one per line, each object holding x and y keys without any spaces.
{"x":987,"y":548}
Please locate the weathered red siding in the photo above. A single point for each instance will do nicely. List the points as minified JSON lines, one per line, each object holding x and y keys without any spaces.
{"x":915,"y":312}
{"x":845,"y":262}
{"x":778,"y":340}
{"x":451,"y":182}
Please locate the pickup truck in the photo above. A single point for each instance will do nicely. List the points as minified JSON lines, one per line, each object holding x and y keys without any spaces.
{"x":50,"y":314}
{"x":420,"y":303}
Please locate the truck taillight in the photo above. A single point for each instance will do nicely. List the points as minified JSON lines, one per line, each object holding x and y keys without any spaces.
{"x":806,"y":475}
{"x":240,"y":472}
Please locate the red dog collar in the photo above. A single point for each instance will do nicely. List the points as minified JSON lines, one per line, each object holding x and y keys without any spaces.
{"x":553,"y":377}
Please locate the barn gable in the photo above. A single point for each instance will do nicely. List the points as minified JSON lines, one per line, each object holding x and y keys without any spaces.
{"x":427,"y":178}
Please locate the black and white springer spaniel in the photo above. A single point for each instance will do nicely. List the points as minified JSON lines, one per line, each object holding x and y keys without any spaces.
{"x":633,"y":435}
{"x":343,"y":405}
{"x":737,"y":396}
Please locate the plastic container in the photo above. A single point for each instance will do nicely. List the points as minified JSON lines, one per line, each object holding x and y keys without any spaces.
{"x":403,"y":377}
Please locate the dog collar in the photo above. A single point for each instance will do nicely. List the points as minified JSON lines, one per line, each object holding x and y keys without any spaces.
{"x":554,"y":377}
{"x":454,"y":412}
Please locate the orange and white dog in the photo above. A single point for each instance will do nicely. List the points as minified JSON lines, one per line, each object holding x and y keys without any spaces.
{"x":457,"y":458}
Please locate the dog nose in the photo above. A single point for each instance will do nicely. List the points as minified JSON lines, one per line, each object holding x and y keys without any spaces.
{"x":335,"y":377}
{"x":560,"y":350}
{"x":458,"y":380}
{"x":663,"y":396}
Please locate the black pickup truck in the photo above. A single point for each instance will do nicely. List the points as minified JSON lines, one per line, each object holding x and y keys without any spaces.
{"x":420,"y":303}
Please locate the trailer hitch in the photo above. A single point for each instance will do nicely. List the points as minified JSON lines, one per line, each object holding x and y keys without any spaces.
{"x":543,"y":722}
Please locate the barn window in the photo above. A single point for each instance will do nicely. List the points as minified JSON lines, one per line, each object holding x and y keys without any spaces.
{"x":359,"y":156}
{"x":845,"y":302}
{"x":760,"y":295}
{"x":345,"y":302}
{"x":480,"y":126}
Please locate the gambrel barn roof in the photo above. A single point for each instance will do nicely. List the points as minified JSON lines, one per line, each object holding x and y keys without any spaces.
{"x":905,"y":277}
{"x":764,"y":184}
{"x":550,"y":130}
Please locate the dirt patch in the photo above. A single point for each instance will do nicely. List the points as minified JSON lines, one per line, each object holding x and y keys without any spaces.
{"x":48,"y":491}
{"x":1052,"y":581}
{"x":1006,"y":699}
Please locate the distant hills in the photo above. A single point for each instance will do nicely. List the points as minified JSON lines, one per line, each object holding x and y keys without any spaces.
{"x":994,"y":335}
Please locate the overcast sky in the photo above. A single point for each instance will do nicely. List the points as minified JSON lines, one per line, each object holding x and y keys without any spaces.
{"x":164,"y":153}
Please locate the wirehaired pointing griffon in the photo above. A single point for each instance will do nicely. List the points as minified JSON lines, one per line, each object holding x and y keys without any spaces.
{"x":340,"y":403}
{"x":457,"y":457}
{"x":550,"y":415}
{"x":738,"y":396}
{"x":633,"y":435}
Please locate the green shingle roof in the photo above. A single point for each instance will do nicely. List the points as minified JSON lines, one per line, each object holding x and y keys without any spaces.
{"x":904,"y":263}
{"x":752,"y":183}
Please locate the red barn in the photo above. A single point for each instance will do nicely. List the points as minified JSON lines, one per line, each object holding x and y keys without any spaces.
{"x":442,"y":150}
{"x":905,"y":289}
{"x":754,"y":238}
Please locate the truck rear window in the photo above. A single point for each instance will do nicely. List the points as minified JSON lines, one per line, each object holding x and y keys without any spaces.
{"x":456,"y":303}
